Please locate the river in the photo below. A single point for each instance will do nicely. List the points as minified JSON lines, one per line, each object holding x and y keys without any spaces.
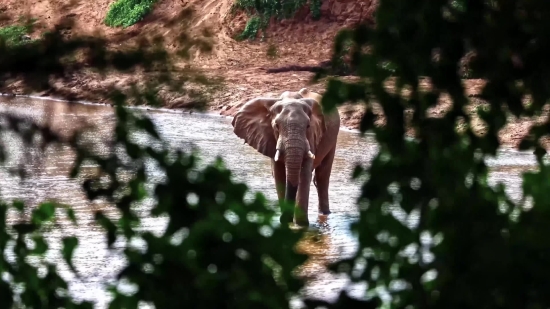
{"x":213,"y":136}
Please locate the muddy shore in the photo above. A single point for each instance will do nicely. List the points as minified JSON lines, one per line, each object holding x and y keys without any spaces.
{"x":239,"y":86}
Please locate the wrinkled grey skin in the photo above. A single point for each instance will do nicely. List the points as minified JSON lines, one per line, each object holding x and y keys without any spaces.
{"x":299,"y":138}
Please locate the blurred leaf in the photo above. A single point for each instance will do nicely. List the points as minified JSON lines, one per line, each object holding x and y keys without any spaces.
{"x":45,"y":212}
{"x":19,"y":205}
{"x":148,"y":126}
{"x":71,"y":215}
{"x":25,"y":228}
{"x":41,"y":246}
{"x":108,"y":225}
{"x":6,"y":295}
{"x":69,"y":245}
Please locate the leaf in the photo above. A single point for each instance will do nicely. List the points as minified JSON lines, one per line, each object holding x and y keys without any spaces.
{"x":133,"y":150}
{"x":357,"y":171}
{"x":367,"y":121}
{"x":148,"y":126}
{"x":71,"y":215}
{"x":539,"y":152}
{"x":44,"y":213}
{"x":6,"y":295}
{"x":19,"y":205}
{"x":25,"y":228}
{"x":76,"y":165}
{"x":40,"y":245}
{"x":108,"y":225}
{"x":69,"y":245}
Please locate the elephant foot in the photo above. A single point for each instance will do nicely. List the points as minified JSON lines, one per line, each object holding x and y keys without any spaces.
{"x":324,"y":210}
{"x":302,"y":222}
{"x":286,"y":218}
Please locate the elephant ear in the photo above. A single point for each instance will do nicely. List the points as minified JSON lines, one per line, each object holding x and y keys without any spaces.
{"x":306,"y":93}
{"x":317,"y":125}
{"x":253,"y":124}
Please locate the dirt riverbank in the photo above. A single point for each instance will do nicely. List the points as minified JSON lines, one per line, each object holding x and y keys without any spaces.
{"x":241,"y":64}
{"x":240,"y":86}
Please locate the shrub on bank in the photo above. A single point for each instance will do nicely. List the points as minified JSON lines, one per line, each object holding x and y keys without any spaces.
{"x":262,"y":11}
{"x":124,"y":13}
{"x":15,"y":34}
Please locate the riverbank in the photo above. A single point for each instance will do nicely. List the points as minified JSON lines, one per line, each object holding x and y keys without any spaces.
{"x":241,"y":65}
{"x":238,"y":86}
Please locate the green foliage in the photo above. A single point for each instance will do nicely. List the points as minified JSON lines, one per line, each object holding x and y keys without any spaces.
{"x":341,"y":61}
{"x":215,"y":242}
{"x":315,"y":7}
{"x":252,"y":28}
{"x":14,"y":34}
{"x":263,"y":10}
{"x":432,"y":232}
{"x":124,"y":13}
{"x":218,"y":250}
{"x":29,"y":279}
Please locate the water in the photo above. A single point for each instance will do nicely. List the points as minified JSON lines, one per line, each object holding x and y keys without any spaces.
{"x":213,"y":136}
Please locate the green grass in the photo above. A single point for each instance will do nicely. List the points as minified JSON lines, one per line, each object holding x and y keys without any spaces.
{"x":254,"y":24}
{"x":124,"y":13}
{"x":262,"y":11}
{"x":13,"y":35}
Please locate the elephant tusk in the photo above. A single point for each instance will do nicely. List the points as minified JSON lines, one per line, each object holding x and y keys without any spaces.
{"x":276,"y":158}
{"x":311,"y":155}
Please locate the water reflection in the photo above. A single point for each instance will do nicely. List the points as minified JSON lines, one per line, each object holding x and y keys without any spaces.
{"x":213,"y":137}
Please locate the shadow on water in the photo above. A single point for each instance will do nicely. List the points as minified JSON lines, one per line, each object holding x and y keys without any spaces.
{"x":213,"y":136}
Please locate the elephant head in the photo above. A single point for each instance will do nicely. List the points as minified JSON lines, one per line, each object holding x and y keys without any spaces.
{"x":286,"y":129}
{"x":302,"y":93}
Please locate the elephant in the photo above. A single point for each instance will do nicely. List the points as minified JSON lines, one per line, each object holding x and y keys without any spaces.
{"x":299,"y":138}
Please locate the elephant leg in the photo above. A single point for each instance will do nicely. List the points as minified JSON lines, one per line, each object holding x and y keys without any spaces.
{"x":301,"y":210}
{"x":279,"y":174}
{"x":322,"y":177}
{"x":315,"y":181}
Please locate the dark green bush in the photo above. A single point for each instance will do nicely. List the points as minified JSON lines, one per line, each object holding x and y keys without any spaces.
{"x":124,"y":13}
{"x":471,"y":245}
{"x":253,"y":26}
{"x":14,"y":35}
{"x":261,"y":11}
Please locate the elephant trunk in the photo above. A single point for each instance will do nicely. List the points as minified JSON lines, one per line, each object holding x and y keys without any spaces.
{"x":293,"y":163}
{"x":294,"y":156}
